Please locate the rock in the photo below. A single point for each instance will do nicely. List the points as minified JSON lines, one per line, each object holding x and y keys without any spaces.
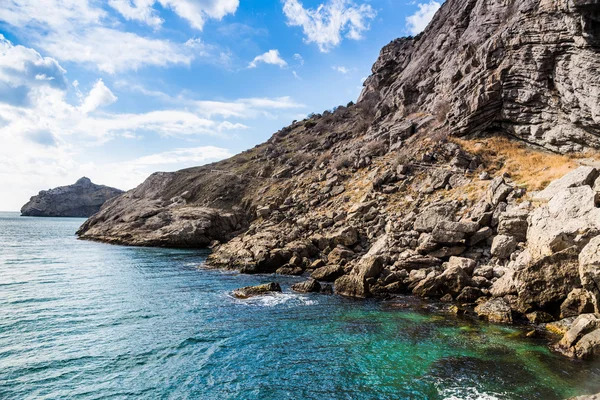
{"x":454,"y":279}
{"x":337,"y":190}
{"x":327,"y":289}
{"x":539,"y":317}
{"x":582,"y":176}
{"x":317,"y":264}
{"x":587,"y":397}
{"x":505,"y":285}
{"x":328,"y":273}
{"x":309,"y":286}
{"x":351,"y":286}
{"x":466,"y":264}
{"x":469,"y":295}
{"x":347,"y":236}
{"x":495,"y":310}
{"x":82,"y":199}
{"x":447,"y":298}
{"x":498,"y":191}
{"x":503,"y":246}
{"x":546,"y":282}
{"x":431,"y":286}
{"x":263,"y":212}
{"x":369,"y":267}
{"x":582,"y":340}
{"x":453,"y":232}
{"x":339,"y":255}
{"x":578,"y":301}
{"x":445,"y":251}
{"x":289,"y":270}
{"x":417,"y":261}
{"x":560,"y":327}
{"x":486,"y":271}
{"x":428,"y":218}
{"x":479,"y":236}
{"x":514,"y":223}
{"x":251,"y":291}
{"x":570,"y":218}
{"x":589,"y":270}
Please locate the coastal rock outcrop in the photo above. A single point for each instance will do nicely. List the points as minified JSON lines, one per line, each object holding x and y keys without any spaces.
{"x":82,"y":199}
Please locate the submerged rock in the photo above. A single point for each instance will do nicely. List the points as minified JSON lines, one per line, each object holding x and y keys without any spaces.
{"x":251,"y":291}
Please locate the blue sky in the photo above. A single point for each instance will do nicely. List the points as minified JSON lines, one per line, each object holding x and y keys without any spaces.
{"x":117,"y":89}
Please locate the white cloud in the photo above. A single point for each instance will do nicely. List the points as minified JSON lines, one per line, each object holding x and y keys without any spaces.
{"x":342,"y":70}
{"x":326,"y":24}
{"x":417,"y":22}
{"x":299,"y":59}
{"x":270,"y":57}
{"x":79,"y":31}
{"x":99,"y":96}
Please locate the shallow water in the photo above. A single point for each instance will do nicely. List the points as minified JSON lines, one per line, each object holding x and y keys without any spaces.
{"x":86,"y":320}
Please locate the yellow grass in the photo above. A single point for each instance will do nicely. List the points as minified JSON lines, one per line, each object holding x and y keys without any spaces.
{"x":529,"y":167}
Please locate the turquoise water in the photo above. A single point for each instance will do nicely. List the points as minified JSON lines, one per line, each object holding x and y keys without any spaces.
{"x":84,"y":320}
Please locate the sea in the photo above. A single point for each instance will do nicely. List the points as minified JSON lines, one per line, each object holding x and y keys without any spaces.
{"x":85,"y":320}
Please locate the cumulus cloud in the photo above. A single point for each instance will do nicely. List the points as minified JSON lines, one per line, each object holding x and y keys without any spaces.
{"x":417,"y":22}
{"x":22,"y":69}
{"x":79,"y":31}
{"x":328,"y":23}
{"x":99,"y":96}
{"x":270,"y":57}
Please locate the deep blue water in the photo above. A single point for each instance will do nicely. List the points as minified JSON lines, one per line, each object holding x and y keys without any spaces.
{"x":83,"y":320}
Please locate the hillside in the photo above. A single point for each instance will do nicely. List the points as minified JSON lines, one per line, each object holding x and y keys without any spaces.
{"x":430,"y":184}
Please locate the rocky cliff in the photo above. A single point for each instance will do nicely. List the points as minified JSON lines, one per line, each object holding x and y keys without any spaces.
{"x":82,"y":199}
{"x":466,"y":172}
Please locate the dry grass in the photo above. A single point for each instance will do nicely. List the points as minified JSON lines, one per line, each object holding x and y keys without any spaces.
{"x":530,"y":167}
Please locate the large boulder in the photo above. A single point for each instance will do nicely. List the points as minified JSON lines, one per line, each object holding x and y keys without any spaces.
{"x":328,"y":273}
{"x":571,"y":218}
{"x":546,"y":282}
{"x":589,"y":269}
{"x":582,"y":340}
{"x":428,"y":218}
{"x":503,"y":246}
{"x":582,"y":176}
{"x":309,"y":286}
{"x":495,"y":310}
{"x":352,"y":286}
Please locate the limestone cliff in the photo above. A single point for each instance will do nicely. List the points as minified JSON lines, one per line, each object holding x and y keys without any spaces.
{"x":82,"y":199}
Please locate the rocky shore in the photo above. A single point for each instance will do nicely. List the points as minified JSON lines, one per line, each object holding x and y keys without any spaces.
{"x":82,"y":199}
{"x":466,"y":172}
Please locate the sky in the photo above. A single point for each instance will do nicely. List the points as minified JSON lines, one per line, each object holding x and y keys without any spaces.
{"x":117,"y":89}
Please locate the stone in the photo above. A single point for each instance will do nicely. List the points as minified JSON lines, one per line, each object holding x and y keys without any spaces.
{"x":582,"y":176}
{"x":329,"y":273}
{"x":469,"y":294}
{"x":498,"y":191}
{"x":546,"y":282}
{"x":480,"y":236}
{"x":560,"y":327}
{"x":259,"y":290}
{"x":514,"y":223}
{"x":346,"y":236}
{"x":309,"y":286}
{"x":539,"y":317}
{"x":570,"y":218}
{"x":317,"y":264}
{"x":351,"y":286}
{"x":339,"y":255}
{"x":589,"y":270}
{"x":578,"y":301}
{"x":369,"y":267}
{"x":582,"y":340}
{"x":428,"y":218}
{"x":289,"y":270}
{"x":453,"y":232}
{"x":503,"y":246}
{"x":453,"y":280}
{"x":429,"y":287}
{"x":466,"y":264}
{"x":82,"y":199}
{"x":263,"y":212}
{"x":495,"y":310}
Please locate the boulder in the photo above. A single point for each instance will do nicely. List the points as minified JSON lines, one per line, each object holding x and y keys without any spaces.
{"x":251,"y":291}
{"x":495,"y":310}
{"x":479,"y":236}
{"x":539,"y":317}
{"x":498,"y":191}
{"x":469,"y":294}
{"x":546,"y":282}
{"x":514,"y":223}
{"x":570,"y":218}
{"x":466,"y":264}
{"x":453,"y":232}
{"x":582,"y":340}
{"x":589,"y":269}
{"x":328,"y":273}
{"x":289,"y":270}
{"x":351,"y":286}
{"x":503,"y":246}
{"x":346,"y":236}
{"x":578,"y":301}
{"x":339,"y":255}
{"x":582,"y":176}
{"x":369,"y":267}
{"x":309,"y":286}
{"x":428,"y":218}
{"x":453,"y":280}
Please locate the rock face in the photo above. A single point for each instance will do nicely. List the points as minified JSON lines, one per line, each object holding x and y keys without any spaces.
{"x":526,"y":67}
{"x":82,"y":199}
